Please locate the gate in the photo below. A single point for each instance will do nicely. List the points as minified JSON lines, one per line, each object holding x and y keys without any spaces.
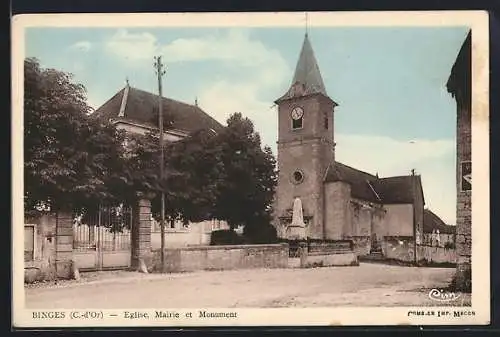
{"x":102,"y":240}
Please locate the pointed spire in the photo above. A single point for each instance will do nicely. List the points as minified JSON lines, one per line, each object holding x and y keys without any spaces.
{"x":307,"y":79}
{"x":307,"y":71}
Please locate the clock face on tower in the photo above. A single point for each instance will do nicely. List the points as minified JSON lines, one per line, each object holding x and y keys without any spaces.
{"x":297,"y":113}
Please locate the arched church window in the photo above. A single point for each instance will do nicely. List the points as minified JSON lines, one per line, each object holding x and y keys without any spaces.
{"x":297,"y":115}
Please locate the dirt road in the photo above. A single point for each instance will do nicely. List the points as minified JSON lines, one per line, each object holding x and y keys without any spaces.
{"x":366,"y":285}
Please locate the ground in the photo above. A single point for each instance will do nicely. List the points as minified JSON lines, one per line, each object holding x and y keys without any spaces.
{"x":365,"y":285}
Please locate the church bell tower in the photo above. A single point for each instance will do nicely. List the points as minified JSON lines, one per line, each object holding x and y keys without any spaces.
{"x":306,"y":145}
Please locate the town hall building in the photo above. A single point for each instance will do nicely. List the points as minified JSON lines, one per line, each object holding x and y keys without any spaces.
{"x":380,"y":215}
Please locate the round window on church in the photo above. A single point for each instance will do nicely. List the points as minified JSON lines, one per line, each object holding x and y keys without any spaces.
{"x":298,"y":177}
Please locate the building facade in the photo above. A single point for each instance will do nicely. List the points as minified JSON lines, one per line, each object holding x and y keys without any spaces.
{"x":339,"y":202}
{"x":459,"y":86}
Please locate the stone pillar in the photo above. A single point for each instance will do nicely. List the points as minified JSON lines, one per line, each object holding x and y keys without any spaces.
{"x":64,"y":245}
{"x":142,"y":257}
{"x":459,"y":85}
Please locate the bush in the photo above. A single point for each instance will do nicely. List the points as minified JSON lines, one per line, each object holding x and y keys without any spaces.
{"x":261,"y":234}
{"x":225,"y":237}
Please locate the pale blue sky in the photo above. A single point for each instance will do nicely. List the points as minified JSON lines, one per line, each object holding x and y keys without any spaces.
{"x":394,"y":112}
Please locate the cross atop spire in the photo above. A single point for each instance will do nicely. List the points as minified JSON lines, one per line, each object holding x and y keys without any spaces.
{"x":307,"y":79}
{"x":307,"y":24}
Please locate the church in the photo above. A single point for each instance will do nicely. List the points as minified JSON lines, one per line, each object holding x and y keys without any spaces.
{"x":380,"y":215}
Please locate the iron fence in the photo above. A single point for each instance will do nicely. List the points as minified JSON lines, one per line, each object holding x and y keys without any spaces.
{"x":107,"y":229}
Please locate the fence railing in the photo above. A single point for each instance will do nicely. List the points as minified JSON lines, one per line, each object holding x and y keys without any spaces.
{"x":107,"y":229}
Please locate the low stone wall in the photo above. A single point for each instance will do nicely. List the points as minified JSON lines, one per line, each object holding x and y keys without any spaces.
{"x":222,"y":257}
{"x":361,"y":244}
{"x":399,"y":248}
{"x":329,"y":260}
{"x":436,"y":255}
{"x":327,"y":254}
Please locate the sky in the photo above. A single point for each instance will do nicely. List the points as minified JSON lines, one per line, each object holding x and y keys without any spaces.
{"x":394,"y":112}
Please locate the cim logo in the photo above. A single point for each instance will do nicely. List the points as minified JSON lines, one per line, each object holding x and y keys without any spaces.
{"x":442,"y":296}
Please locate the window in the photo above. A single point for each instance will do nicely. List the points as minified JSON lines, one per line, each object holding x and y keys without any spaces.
{"x":326,"y":122}
{"x":297,"y":115}
{"x":297,"y":123}
{"x":298,"y":177}
{"x":29,"y":242}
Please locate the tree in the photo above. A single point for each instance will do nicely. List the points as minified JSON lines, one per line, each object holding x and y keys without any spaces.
{"x":70,"y":161}
{"x":191,"y":177}
{"x":249,"y":176}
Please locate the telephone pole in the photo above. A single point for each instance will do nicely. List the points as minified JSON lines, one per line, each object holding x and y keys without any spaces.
{"x":160,"y":72}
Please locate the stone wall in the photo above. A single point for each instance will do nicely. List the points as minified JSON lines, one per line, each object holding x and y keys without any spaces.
{"x":361,"y":244}
{"x":435,"y":255}
{"x":330,"y":260}
{"x":399,"y":248}
{"x":42,"y":265}
{"x":222,"y":257}
{"x":361,"y":219}
{"x":337,"y":210}
{"x":64,"y":245}
{"x":463,"y":236}
{"x":326,"y":254}
{"x":398,"y":220}
{"x":459,"y":86}
{"x":428,"y":239}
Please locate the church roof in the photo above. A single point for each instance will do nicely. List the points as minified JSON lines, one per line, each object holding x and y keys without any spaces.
{"x":397,"y":190}
{"x":357,"y":179}
{"x":365,"y":186}
{"x":139,"y":106}
{"x":307,"y":79}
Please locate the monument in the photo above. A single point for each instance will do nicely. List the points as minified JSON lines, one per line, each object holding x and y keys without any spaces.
{"x":297,"y":229}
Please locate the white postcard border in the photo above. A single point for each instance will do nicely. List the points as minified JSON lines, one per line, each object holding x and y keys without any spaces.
{"x":476,"y":20}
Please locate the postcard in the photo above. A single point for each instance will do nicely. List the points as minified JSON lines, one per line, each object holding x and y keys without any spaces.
{"x":250,"y":169}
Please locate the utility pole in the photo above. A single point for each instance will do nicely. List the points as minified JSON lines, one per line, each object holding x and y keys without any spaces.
{"x":160,"y":72}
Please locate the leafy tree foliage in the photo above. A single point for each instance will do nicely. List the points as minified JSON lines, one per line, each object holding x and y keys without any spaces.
{"x":249,"y":176}
{"x":69,"y":160}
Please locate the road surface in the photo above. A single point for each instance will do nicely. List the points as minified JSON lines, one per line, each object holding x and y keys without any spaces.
{"x":365,"y":285}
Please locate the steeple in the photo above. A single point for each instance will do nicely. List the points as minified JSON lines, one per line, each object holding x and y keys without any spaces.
{"x":307,"y":79}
